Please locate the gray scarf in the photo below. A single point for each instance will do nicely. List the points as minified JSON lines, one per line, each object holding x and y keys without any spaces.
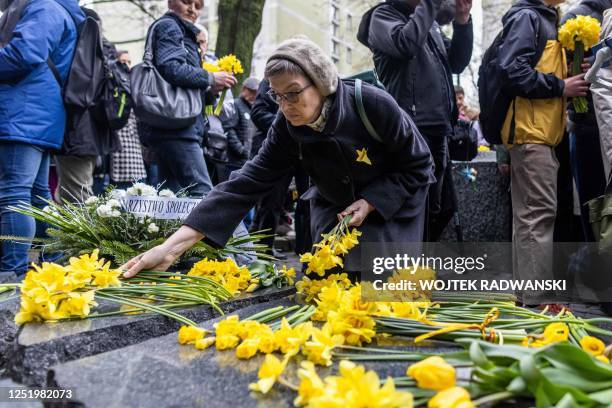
{"x":13,"y":9}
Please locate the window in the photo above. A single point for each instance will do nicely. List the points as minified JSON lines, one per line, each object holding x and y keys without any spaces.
{"x":349,"y":55}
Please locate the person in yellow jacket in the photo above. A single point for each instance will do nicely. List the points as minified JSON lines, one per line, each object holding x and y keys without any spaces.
{"x":534,"y":65}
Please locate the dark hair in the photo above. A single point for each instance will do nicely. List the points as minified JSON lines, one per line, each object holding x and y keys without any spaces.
{"x":459,"y":90}
{"x":121,"y":52}
{"x":279,"y":66}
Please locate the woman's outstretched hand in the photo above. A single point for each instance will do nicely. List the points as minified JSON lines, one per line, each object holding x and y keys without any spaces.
{"x":162,"y":256}
{"x":157,"y":258}
{"x":359,"y":211}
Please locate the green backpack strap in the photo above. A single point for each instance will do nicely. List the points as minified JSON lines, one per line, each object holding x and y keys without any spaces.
{"x":362,"y":113}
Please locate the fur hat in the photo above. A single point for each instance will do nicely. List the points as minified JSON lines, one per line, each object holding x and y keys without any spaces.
{"x":313,"y":61}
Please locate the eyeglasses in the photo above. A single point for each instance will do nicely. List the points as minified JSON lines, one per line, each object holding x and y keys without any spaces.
{"x":291,"y":97}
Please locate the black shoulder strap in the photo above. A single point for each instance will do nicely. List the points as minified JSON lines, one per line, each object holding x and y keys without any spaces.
{"x":362,"y":113}
{"x":55,"y":72}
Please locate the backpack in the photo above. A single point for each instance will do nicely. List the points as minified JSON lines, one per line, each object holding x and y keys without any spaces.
{"x":92,"y":82}
{"x":370,"y":77}
{"x":494,"y":100}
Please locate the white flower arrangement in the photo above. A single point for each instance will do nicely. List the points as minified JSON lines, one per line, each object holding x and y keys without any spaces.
{"x":92,"y":200}
{"x":142,"y":189}
{"x":113,"y":203}
{"x":152,"y":228}
{"x":106,"y":211}
{"x":167,"y":193}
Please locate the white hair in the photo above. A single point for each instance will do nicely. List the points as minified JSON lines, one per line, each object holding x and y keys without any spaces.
{"x":203,"y":30}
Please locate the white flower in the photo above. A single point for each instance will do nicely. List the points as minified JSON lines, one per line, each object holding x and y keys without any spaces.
{"x":113,"y":203}
{"x":115,"y":213}
{"x":142,"y":189}
{"x":51,"y":210}
{"x":166,"y":193}
{"x":141,"y":221}
{"x":104,"y":211}
{"x":152,"y":228}
{"x":92,"y":200}
{"x":118,"y":193}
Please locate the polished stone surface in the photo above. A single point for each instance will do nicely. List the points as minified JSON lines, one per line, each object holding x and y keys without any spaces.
{"x":484,"y":206}
{"x":160,"y":372}
{"x":40,"y":346}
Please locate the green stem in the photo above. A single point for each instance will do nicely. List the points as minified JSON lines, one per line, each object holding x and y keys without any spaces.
{"x":498,"y":396}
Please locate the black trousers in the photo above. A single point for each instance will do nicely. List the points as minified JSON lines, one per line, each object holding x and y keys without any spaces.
{"x":442,"y":200}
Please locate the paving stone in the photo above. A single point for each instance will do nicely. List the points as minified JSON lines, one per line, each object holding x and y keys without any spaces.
{"x":39,"y":346}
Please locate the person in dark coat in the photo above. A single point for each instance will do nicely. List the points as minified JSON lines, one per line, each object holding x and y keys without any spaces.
{"x":415,"y":62}
{"x":240,"y":127}
{"x":177,"y":57}
{"x":587,"y":165}
{"x":383,"y":185}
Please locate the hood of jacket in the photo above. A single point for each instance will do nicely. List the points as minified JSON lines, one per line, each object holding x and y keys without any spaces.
{"x":547,"y":12}
{"x":363,"y":31}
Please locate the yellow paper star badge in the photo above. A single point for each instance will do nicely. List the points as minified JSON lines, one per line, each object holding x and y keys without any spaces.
{"x":362,"y":156}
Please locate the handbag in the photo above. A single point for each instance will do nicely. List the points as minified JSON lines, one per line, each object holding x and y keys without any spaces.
{"x":157,"y":102}
{"x":463,"y":142}
{"x":600,"y":217}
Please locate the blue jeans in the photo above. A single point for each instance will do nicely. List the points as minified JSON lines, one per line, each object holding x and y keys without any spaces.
{"x":24,"y":178}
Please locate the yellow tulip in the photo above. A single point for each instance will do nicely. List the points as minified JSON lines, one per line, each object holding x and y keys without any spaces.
{"x":556,"y":332}
{"x":190,"y":334}
{"x":455,"y":397}
{"x":592,"y":345}
{"x":433,"y":373}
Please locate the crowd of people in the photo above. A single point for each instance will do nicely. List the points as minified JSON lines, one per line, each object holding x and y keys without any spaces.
{"x":342,"y":147}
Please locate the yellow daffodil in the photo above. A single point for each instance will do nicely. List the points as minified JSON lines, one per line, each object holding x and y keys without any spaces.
{"x":583,"y":29}
{"x":592,"y":345}
{"x":190,"y":334}
{"x":231,"y":64}
{"x":433,"y":373}
{"x":362,"y":156}
{"x":211,"y":67}
{"x":233,"y":277}
{"x":268,"y":373}
{"x":318,"y":349}
{"x":311,"y":385}
{"x":205,"y":343}
{"x":288,"y":273}
{"x":226,"y":342}
{"x":455,"y":397}
{"x":556,"y":332}
{"x":353,"y":387}
{"x":312,"y":288}
{"x":603,"y":359}
{"x":248,"y":348}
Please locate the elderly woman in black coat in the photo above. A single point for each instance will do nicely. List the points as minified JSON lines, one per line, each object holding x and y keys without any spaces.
{"x":380,"y":177}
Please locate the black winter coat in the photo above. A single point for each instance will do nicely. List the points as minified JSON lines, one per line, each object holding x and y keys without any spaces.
{"x":263,"y":113}
{"x":176,"y":55}
{"x":239,"y":128}
{"x":395,"y":183}
{"x":414,"y":60}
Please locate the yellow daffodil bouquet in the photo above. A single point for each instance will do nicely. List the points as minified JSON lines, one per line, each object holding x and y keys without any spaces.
{"x":578,"y":35}
{"x":229,"y":64}
{"x":329,"y":251}
{"x":53,"y":292}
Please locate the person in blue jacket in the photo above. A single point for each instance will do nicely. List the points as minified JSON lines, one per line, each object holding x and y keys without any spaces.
{"x":32,"y":114}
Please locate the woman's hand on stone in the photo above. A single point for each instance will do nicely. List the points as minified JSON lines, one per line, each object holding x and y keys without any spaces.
{"x":359,"y":211}
{"x":157,"y":258}
{"x":160,"y":258}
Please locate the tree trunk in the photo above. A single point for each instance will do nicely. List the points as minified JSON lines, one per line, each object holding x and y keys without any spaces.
{"x":239,"y":24}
